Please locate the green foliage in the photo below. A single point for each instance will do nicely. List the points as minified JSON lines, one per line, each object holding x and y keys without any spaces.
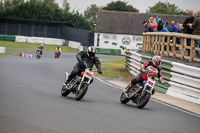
{"x":91,"y":13}
{"x":120,"y":6}
{"x":43,"y":10}
{"x":166,"y":8}
{"x":66,"y":6}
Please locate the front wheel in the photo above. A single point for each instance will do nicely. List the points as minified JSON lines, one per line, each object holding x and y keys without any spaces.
{"x":124,"y":99}
{"x":64,"y":91}
{"x":143,"y":101}
{"x":81,"y":93}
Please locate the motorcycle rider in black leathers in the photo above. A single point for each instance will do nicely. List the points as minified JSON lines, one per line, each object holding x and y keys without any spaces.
{"x":90,"y":59}
{"x":40,"y":49}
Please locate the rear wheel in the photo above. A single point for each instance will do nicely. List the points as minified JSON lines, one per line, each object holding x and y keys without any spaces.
{"x":143,"y":101}
{"x":81,"y":93}
{"x":64,"y":91}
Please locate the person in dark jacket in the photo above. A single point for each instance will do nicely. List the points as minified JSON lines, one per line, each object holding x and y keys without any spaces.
{"x":187,"y":29}
{"x":89,"y":58}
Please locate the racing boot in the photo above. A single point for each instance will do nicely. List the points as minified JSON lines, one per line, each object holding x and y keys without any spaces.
{"x":128,"y":88}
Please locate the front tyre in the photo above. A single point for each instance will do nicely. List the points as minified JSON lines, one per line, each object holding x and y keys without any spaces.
{"x":81,"y":93}
{"x":124,"y":99}
{"x":143,"y":101}
{"x":64,"y":91}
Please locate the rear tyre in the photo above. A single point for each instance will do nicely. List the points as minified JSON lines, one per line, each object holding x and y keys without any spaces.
{"x":81,"y":93}
{"x":64,"y":91}
{"x":143,"y":101}
{"x":124,"y":99}
{"x":38,"y":57}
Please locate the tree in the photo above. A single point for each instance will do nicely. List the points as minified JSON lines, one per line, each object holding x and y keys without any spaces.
{"x":66,"y":6}
{"x":166,"y":8}
{"x":91,"y":13}
{"x":120,"y":6}
{"x":43,"y":10}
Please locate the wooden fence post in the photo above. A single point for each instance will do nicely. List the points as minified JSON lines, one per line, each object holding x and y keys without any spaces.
{"x":144,"y":43}
{"x":158,"y":53}
{"x":148,"y":43}
{"x":155,"y":45}
{"x":174,"y":46}
{"x":191,"y":50}
{"x":163,"y":45}
{"x":168,"y":45}
{"x":152,"y":43}
{"x":182,"y":48}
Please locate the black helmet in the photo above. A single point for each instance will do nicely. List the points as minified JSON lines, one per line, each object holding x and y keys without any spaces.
{"x":91,"y":51}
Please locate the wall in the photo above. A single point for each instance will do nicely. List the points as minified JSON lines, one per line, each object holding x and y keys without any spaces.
{"x":44,"y":29}
{"x":117,"y":41}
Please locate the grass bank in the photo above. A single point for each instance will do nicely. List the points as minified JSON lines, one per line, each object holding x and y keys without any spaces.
{"x":115,"y":69}
{"x":33,"y":47}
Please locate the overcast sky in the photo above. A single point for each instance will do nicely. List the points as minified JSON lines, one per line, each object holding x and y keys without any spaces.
{"x":141,"y":5}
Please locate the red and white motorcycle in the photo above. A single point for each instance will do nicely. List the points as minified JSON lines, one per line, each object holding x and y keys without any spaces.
{"x":79,"y":84}
{"x":141,"y":92}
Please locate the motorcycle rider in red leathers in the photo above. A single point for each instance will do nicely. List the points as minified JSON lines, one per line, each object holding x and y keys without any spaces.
{"x":153,"y":64}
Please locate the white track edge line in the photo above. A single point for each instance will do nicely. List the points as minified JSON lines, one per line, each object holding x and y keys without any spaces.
{"x":188,"y":112}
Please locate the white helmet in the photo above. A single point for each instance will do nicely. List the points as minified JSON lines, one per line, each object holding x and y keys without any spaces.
{"x":91,"y":51}
{"x":156,"y":60}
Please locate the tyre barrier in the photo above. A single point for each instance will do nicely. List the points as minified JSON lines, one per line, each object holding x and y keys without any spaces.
{"x":25,"y":55}
{"x":181,"y":81}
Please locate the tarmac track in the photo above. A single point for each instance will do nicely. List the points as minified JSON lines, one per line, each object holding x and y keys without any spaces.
{"x":30,"y":102}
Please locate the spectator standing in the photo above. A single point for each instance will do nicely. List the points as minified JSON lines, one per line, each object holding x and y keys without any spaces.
{"x":196,"y":26}
{"x":148,"y":27}
{"x":153,"y":24}
{"x":173,"y":28}
{"x":187,"y":29}
{"x":165,"y":27}
{"x":160,"y":24}
{"x":179,"y":28}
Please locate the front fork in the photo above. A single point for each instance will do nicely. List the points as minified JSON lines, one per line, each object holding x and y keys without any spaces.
{"x":151,"y":91}
{"x":88,"y":82}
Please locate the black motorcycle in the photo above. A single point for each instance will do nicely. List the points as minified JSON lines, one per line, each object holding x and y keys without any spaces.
{"x":38,"y":54}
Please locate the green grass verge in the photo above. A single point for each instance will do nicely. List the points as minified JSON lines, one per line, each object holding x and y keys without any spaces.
{"x":9,"y":54}
{"x":115,"y":69}
{"x":34,"y":46}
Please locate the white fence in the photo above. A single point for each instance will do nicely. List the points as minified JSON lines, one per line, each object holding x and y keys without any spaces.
{"x":50,"y":41}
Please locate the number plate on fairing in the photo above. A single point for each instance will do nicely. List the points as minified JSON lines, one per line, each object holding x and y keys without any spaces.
{"x":150,"y":82}
{"x":88,"y":74}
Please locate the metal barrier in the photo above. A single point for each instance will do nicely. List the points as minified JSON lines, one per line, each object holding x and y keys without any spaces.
{"x":180,"y":80}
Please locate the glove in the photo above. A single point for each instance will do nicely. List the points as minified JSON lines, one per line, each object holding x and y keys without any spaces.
{"x":99,"y":71}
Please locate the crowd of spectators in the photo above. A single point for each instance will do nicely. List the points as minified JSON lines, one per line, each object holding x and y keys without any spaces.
{"x":191,"y":25}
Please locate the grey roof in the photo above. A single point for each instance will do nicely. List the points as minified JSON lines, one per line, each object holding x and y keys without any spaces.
{"x":128,"y":22}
